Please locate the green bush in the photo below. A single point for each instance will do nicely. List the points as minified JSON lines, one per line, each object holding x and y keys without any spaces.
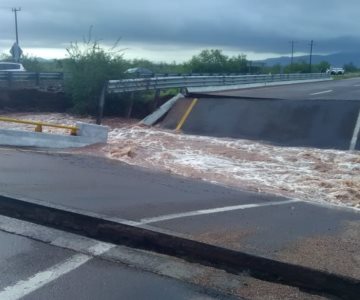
{"x":88,"y":67}
{"x":35,"y":64}
{"x":350,"y":68}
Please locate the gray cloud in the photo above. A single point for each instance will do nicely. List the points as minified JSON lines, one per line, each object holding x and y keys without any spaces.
{"x":260,"y":26}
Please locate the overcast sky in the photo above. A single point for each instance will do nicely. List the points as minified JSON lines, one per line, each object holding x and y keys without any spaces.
{"x":167,"y":30}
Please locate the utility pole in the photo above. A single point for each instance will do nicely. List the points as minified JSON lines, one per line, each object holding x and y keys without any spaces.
{"x":311,"y":51}
{"x":292,"y":52}
{"x":292,"y":55}
{"x":15,"y":10}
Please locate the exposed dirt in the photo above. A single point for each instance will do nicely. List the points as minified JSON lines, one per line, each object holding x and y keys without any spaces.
{"x":259,"y":290}
{"x":246,"y":287}
{"x":339,"y":254}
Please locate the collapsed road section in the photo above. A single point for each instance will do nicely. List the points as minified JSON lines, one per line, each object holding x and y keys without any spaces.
{"x":320,"y":123}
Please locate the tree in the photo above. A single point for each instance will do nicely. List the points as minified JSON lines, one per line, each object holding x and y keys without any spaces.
{"x":297,"y":67}
{"x":303,"y":67}
{"x":158,"y":67}
{"x":90,"y":66}
{"x":5,"y":57}
{"x":237,"y":64}
{"x":350,"y":67}
{"x":322,"y":66}
{"x":214,"y":61}
{"x":208,"y":61}
{"x":34,"y":64}
{"x":276,"y":69}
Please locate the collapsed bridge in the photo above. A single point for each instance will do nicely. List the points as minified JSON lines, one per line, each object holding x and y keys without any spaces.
{"x":301,"y":123}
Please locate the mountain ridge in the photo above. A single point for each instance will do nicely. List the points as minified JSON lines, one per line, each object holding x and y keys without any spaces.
{"x":335,"y":59}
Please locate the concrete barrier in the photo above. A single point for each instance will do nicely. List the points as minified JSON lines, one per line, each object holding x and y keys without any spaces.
{"x":161,"y":111}
{"x":250,"y":85}
{"x":88,"y":134}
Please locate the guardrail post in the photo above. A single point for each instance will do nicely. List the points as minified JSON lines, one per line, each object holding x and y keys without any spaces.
{"x":156,"y":99}
{"x":130,"y":108}
{"x":10,"y":79}
{"x":183,"y":91}
{"x":101,"y":104}
{"x":37,"y":79}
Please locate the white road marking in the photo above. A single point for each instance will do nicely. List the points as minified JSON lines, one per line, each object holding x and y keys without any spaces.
{"x":323,"y":92}
{"x":355,"y":135}
{"x":357,"y":85}
{"x":212,"y":211}
{"x":27,"y":286}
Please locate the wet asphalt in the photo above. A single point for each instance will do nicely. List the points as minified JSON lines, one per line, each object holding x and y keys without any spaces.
{"x":348,"y":89}
{"x":109,"y":187}
{"x":22,"y":259}
{"x":114,"y":189}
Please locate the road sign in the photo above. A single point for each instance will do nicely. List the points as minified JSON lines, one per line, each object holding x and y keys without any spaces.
{"x":16,"y":52}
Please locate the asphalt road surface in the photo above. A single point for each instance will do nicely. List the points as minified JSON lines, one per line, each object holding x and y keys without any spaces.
{"x":287,"y":122}
{"x":35,"y":270}
{"x":267,"y":225}
{"x":348,"y":89}
{"x":320,"y":114}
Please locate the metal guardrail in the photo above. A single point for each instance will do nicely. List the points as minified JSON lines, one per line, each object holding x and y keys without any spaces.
{"x":183,"y":82}
{"x":163,"y":81}
{"x":160,"y":83}
{"x":29,"y":76}
{"x":10,"y":79}
{"x":39,"y":125}
{"x":152,"y":75}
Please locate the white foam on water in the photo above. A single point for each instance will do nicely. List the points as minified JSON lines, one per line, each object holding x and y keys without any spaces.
{"x":317,"y":175}
{"x":310,"y":174}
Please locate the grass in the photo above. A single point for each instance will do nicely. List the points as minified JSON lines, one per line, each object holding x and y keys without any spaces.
{"x":347,"y":76}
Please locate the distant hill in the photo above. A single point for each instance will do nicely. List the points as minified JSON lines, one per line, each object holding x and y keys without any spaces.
{"x":336,"y":59}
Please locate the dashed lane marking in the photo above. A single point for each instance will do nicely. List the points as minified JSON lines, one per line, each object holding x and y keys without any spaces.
{"x":213,"y":211}
{"x":323,"y":92}
{"x":33,"y":283}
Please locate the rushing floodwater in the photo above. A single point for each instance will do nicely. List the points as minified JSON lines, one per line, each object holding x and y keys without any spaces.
{"x":305,"y":173}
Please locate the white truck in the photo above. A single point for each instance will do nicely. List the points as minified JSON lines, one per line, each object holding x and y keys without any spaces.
{"x":335,"y":71}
